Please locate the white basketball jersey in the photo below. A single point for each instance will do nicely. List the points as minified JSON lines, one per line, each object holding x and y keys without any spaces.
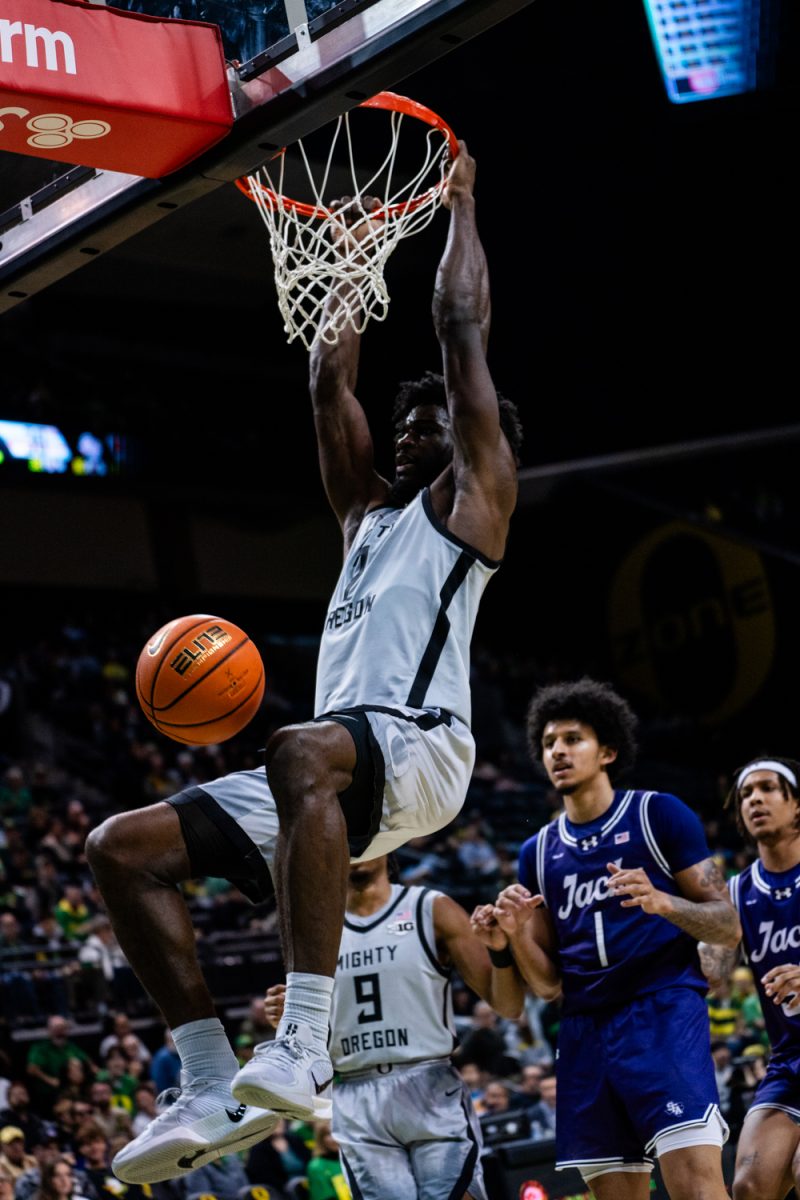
{"x":400,"y":623}
{"x":392,"y":1002}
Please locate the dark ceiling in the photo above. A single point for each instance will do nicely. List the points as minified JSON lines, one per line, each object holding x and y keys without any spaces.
{"x":640,"y":253}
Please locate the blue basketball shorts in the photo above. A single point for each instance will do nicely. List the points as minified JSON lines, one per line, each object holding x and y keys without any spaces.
{"x":628,"y":1075}
{"x":780,"y":1087}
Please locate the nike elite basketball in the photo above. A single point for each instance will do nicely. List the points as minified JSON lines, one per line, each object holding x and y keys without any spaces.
{"x":200,"y":679}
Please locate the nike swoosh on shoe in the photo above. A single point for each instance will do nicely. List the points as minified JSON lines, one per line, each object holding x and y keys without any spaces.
{"x":187,"y":1161}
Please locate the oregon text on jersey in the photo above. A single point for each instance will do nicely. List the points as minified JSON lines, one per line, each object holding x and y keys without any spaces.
{"x":344,"y":614}
{"x":374,"y":1039}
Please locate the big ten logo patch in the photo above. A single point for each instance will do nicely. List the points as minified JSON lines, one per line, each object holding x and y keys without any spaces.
{"x":691,"y":621}
{"x":53,"y":131}
{"x":402,"y":923}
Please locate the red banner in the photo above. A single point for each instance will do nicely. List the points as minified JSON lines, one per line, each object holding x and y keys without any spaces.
{"x":99,"y":87}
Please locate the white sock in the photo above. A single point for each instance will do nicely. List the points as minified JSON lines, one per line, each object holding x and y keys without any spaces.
{"x":205,"y":1051}
{"x":308,"y":1002}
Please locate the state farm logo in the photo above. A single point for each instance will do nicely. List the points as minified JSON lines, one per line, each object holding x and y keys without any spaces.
{"x":53,"y":131}
{"x":57,"y":46}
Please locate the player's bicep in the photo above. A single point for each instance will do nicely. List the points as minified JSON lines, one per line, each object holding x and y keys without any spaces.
{"x":703,"y":882}
{"x":483,"y":459}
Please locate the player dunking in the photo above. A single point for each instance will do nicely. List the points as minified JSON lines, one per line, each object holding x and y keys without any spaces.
{"x":391,"y":757}
{"x":766,"y":795}
{"x":629,"y":888}
{"x":401,"y":1115}
{"x":390,"y":753}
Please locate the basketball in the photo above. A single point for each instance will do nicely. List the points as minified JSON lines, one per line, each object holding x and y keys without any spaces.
{"x":199,"y":679}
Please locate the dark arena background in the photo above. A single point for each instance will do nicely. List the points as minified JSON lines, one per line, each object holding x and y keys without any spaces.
{"x":643,"y":260}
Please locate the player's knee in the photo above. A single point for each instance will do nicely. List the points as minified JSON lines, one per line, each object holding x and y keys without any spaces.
{"x":111,"y":846}
{"x":746,"y":1187}
{"x":297,"y":762}
{"x":283,"y":747}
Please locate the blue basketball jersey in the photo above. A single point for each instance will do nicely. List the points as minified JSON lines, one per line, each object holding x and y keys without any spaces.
{"x":769,"y":909}
{"x":609,"y":955}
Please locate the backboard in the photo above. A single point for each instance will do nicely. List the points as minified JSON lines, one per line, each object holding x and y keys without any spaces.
{"x":294,"y":65}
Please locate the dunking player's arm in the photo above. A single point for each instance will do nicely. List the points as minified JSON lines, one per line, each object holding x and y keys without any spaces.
{"x":346,"y":455}
{"x":475,"y":500}
{"x":475,"y":492}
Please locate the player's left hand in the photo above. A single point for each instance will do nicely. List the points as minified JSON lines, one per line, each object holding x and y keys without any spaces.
{"x":351,"y":223}
{"x":486,"y":929}
{"x":640,"y":892}
{"x":782,"y":982}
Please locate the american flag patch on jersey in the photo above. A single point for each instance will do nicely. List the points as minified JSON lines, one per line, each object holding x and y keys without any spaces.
{"x":619,"y":838}
{"x":403,"y":922}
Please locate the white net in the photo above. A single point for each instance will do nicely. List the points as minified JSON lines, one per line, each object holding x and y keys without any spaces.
{"x":313,"y":252}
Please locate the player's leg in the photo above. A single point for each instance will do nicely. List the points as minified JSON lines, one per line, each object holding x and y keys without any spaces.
{"x":309,"y":766}
{"x":671,"y":1096}
{"x":442,"y":1133}
{"x":694,"y":1173}
{"x":767,"y":1156}
{"x":375,"y":1160}
{"x":138,"y":859}
{"x":358,"y":783}
{"x":619,"y":1185}
{"x":594,"y":1131}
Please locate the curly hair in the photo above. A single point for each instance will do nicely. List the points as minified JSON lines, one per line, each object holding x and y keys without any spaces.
{"x":734,"y":797}
{"x":592,"y":703}
{"x":430,"y":389}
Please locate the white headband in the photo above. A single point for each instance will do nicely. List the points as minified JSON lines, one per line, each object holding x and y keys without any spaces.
{"x":767,"y":764}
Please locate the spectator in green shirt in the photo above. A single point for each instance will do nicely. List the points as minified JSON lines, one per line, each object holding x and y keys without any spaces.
{"x":123,"y":1084}
{"x":48,"y":1058}
{"x":72,"y":913}
{"x":745,"y":997}
{"x":15,"y":795}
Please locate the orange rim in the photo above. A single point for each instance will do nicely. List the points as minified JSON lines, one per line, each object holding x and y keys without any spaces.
{"x":390,"y":102}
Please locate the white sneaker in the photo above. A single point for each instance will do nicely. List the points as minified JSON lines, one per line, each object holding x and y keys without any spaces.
{"x":289,"y":1075}
{"x":180,"y":1139}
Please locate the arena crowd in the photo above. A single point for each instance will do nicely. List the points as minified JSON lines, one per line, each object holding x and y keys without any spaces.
{"x":84,"y":1053}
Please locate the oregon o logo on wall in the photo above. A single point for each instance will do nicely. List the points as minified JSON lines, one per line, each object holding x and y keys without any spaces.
{"x":691,"y":621}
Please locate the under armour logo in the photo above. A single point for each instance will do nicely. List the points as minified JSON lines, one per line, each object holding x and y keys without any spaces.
{"x":589,"y":843}
{"x":781,"y":893}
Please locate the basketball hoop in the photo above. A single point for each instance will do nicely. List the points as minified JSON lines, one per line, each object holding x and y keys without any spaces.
{"x":313,"y":253}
